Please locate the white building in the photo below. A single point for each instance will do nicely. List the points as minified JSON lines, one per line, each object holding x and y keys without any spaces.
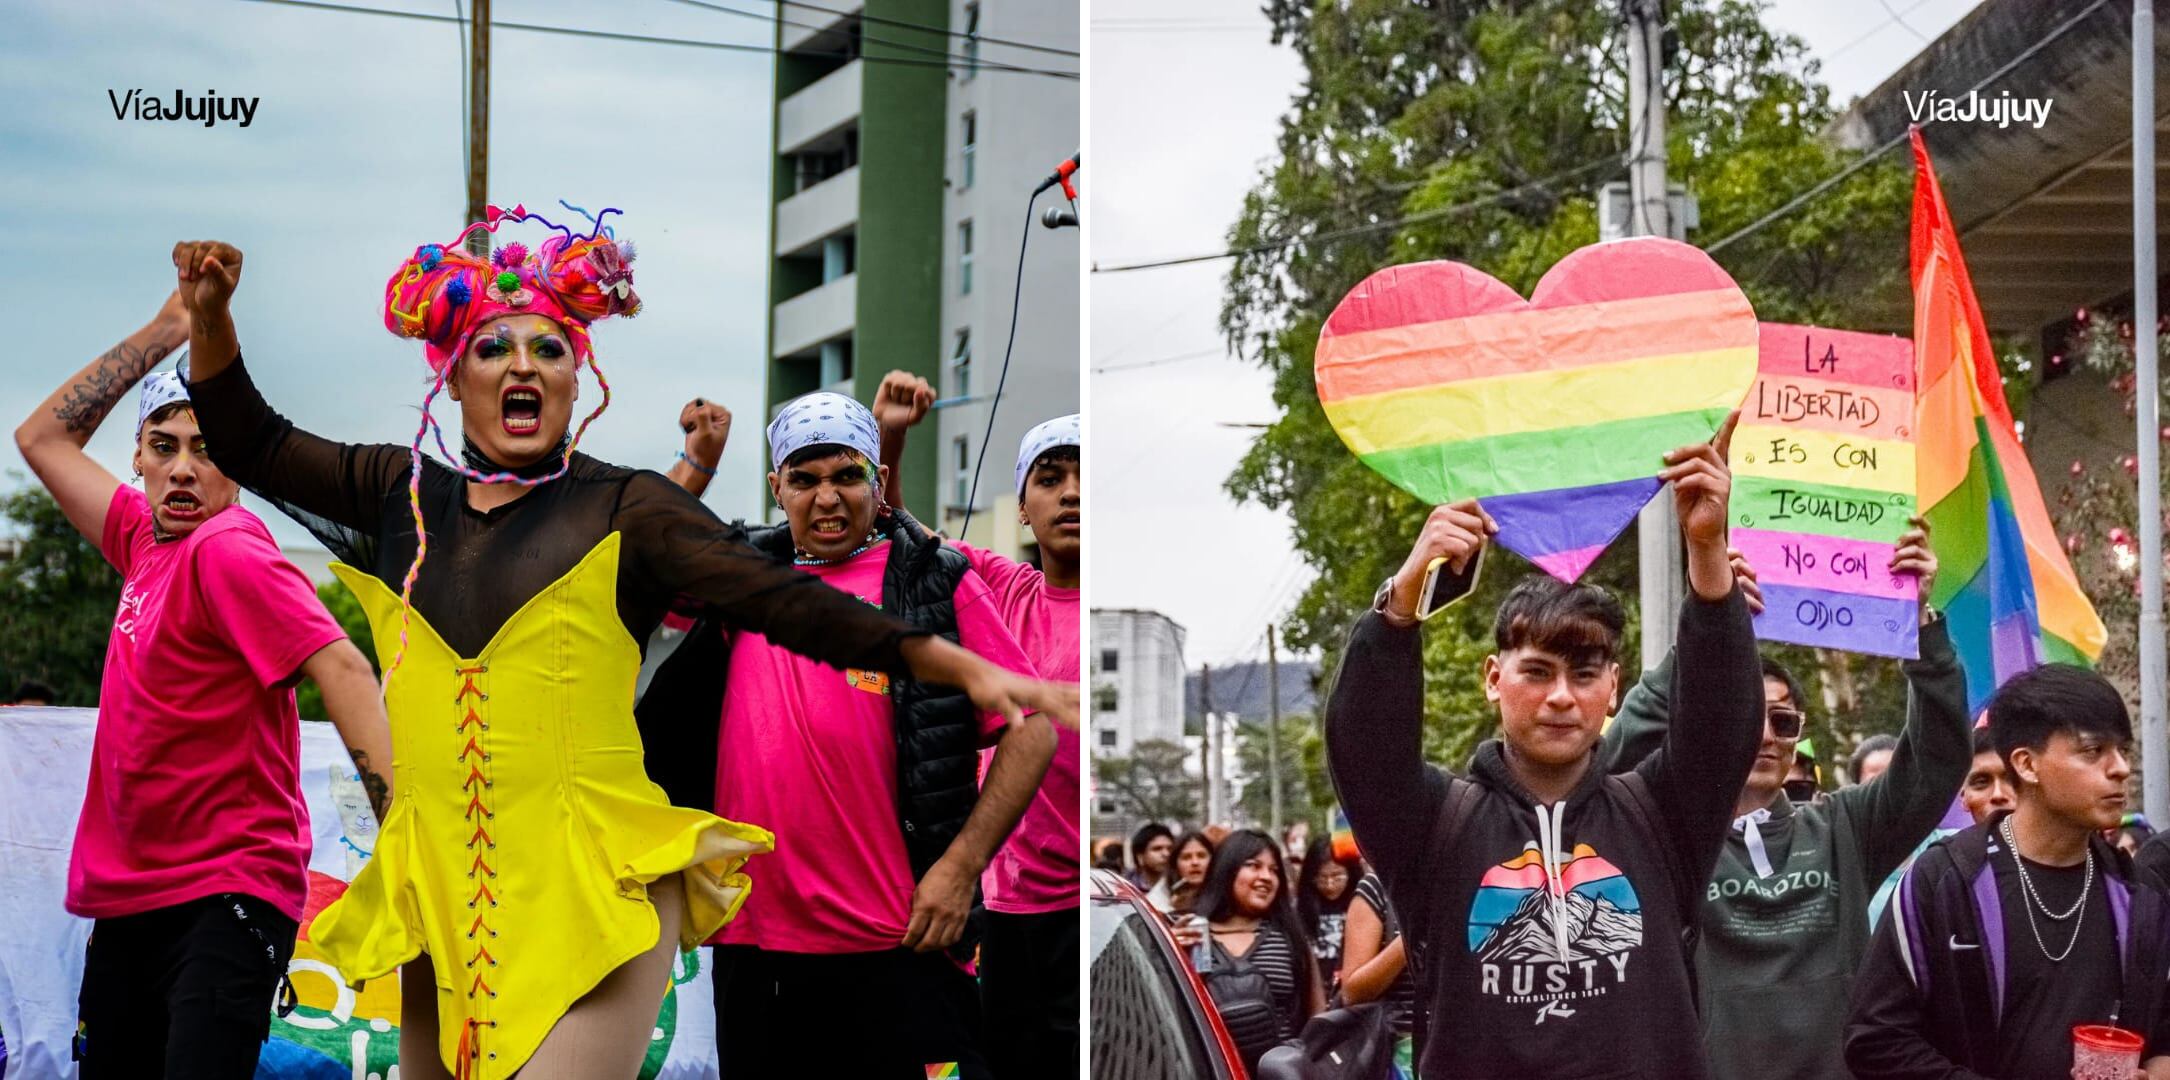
{"x":1137,"y":679}
{"x":1007,"y":132}
{"x":908,"y":143}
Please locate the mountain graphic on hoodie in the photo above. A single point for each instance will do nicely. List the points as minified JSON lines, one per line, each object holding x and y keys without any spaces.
{"x":1511,"y":917}
{"x":1595,"y":928}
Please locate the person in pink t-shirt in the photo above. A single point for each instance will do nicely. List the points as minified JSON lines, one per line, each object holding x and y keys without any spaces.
{"x":882,"y":830}
{"x":192,"y":851}
{"x":1028,"y":963}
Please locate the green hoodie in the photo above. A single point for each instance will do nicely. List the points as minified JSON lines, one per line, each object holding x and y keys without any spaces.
{"x":1775,"y":955}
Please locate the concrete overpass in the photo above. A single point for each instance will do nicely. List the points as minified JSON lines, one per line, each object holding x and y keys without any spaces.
{"x":2046,"y":212}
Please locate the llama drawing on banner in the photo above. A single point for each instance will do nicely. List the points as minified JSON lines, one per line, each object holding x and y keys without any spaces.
{"x":357,"y":823}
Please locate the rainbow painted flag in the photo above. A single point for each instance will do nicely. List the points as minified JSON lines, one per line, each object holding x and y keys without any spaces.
{"x":1342,"y":836}
{"x":1554,"y":411}
{"x":2004,"y":583}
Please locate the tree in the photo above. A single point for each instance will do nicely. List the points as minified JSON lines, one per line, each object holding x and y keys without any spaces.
{"x":340,"y":601}
{"x":2099,"y":509}
{"x":1474,"y":130}
{"x":58,"y":596}
{"x":1298,"y":799}
{"x":1151,"y":780}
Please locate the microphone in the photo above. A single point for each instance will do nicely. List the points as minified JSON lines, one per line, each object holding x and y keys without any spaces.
{"x":1061,"y":175}
{"x":1055,"y":217}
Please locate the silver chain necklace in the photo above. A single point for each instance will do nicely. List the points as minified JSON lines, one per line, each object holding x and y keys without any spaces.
{"x":2034,"y":899}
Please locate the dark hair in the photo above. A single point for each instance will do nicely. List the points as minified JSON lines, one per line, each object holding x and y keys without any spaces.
{"x":1217,"y":897}
{"x":1146,"y":834}
{"x":1110,"y":856}
{"x":822,"y":452}
{"x":31,"y":688}
{"x":1309,"y":904}
{"x":1872,"y":744}
{"x":1054,"y":455}
{"x":1579,"y":622}
{"x":1772,"y":669}
{"x":2053,"y":698}
{"x":1173,"y":877}
{"x":1985,"y":742}
{"x":168,"y":411}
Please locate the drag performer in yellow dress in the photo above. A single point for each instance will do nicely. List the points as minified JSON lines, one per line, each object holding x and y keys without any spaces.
{"x":531,"y":880}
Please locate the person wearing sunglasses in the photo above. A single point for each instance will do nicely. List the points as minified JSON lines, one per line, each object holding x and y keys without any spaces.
{"x":1783,"y":921}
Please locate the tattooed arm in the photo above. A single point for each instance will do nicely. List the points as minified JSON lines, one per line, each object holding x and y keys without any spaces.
{"x":52,"y":440}
{"x":357,"y":710}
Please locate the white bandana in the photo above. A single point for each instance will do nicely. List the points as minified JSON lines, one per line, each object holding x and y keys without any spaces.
{"x":1061,"y":431}
{"x":160,"y":389}
{"x":823,"y":417}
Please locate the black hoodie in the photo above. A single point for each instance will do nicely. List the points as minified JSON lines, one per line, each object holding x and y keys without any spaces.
{"x":1586,"y":977}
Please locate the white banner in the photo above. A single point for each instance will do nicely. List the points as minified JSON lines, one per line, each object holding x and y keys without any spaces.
{"x":336,"y":1033}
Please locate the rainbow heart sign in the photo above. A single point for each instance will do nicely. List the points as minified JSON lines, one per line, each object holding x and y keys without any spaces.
{"x":1554,"y":412}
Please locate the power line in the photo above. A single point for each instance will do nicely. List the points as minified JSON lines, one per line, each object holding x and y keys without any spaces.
{"x":954,"y":59}
{"x":1215,"y":351}
{"x":608,"y":35}
{"x":879,"y":20}
{"x":1892,"y":143}
{"x":1343,"y":234}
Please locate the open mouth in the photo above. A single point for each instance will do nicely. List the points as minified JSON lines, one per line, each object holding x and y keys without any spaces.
{"x":181,"y":504}
{"x":830,"y":528}
{"x":521,"y":410}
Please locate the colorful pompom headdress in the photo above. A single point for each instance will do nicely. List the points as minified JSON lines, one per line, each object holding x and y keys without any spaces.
{"x":442,"y":295}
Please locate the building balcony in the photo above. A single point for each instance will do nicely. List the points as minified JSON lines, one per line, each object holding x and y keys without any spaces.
{"x":820,"y":31}
{"x":804,"y":220}
{"x":819,"y":314}
{"x":825,"y":107}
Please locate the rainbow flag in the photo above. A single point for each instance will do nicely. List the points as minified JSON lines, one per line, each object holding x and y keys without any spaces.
{"x":2004,"y":583}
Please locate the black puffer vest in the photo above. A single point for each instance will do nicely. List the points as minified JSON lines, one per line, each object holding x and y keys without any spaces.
{"x":936,"y":727}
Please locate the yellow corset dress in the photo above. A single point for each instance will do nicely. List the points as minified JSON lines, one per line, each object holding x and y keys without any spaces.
{"x":524,"y":828}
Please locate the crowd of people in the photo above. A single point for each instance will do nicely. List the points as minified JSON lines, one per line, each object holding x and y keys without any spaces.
{"x":1655,"y":883}
{"x":856,"y":774}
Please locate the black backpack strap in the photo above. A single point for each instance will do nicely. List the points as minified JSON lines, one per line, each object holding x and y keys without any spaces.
{"x":1455,"y":811}
{"x":1644,"y":806}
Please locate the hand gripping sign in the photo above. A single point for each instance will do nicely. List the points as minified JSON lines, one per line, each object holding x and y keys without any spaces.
{"x":1554,"y":412}
{"x":1823,"y":484}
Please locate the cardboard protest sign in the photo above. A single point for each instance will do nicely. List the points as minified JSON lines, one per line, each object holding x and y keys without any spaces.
{"x":1823,"y":484}
{"x":1555,"y":412}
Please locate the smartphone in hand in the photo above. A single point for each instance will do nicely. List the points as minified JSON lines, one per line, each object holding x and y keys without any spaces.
{"x":1443,"y":587}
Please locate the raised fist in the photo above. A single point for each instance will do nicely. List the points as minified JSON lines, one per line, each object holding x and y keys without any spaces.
{"x":207,"y":270}
{"x":902,"y":400}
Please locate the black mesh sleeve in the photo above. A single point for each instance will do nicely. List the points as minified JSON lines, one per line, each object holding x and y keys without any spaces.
{"x":679,"y":546}
{"x":343,"y":483}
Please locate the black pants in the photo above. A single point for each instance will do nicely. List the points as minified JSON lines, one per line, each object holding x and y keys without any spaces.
{"x":874,"y":1016}
{"x":182,"y":992}
{"x":1028,"y":986}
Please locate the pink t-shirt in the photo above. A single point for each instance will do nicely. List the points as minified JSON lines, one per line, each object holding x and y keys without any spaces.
{"x":195,"y":771}
{"x":1036,"y":870}
{"x":810,"y":753}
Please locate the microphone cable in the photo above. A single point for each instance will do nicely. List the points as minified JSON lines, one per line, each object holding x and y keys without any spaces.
{"x":1017,"y":293}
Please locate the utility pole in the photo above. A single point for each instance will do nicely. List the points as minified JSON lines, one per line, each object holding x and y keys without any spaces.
{"x":1273,"y":731}
{"x":1657,"y":534}
{"x":478,"y":125}
{"x":1213,"y":744}
{"x":2155,"y":781}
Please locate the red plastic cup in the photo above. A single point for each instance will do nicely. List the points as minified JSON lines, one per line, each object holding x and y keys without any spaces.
{"x":2102,"y":1052}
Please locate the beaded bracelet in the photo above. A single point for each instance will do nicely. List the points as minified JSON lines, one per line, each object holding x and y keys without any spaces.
{"x":697,"y":466}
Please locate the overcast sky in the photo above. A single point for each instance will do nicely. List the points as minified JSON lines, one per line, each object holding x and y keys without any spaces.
{"x":1169,"y":182}
{"x":353,"y":158}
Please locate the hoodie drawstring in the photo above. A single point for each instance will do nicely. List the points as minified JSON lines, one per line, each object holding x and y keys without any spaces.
{"x":1551,"y":833}
{"x":1758,"y":855}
